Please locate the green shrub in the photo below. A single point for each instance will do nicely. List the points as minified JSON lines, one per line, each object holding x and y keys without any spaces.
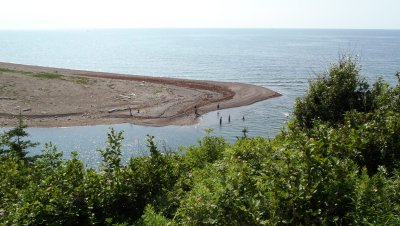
{"x":333,"y":93}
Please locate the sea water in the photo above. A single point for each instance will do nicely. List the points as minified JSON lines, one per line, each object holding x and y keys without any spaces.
{"x":284,"y":60}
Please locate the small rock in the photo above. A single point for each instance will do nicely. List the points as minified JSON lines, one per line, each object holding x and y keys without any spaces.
{"x":27,"y":109}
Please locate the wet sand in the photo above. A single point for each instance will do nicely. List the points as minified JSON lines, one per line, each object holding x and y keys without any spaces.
{"x":55,"y":97}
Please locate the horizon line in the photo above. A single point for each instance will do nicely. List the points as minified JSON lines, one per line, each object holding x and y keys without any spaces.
{"x":193,"y":28}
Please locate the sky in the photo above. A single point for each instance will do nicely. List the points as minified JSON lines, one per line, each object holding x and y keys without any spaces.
{"x":89,"y":14}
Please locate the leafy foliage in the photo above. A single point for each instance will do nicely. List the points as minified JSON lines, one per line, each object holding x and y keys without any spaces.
{"x":333,"y":93}
{"x":112,"y":153}
{"x":328,"y":167}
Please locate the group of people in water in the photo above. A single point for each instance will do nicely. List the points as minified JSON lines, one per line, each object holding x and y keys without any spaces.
{"x":229,"y":117}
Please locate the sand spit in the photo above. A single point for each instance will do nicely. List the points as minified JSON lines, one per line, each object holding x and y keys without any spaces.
{"x":55,"y":97}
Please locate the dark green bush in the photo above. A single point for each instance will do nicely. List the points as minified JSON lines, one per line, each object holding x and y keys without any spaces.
{"x":333,"y":93}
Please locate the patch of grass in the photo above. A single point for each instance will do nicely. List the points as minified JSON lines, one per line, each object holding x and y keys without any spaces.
{"x":48,"y":75}
{"x":15,"y":71}
{"x":82,"y":81}
{"x":37,"y":75}
{"x":8,"y":70}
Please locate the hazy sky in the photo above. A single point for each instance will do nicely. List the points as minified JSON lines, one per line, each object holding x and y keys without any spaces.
{"x":65,"y":14}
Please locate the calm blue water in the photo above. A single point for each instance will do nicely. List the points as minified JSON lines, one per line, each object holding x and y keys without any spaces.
{"x":283,"y":60}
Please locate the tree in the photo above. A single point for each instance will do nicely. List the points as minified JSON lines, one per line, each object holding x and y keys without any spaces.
{"x":14,"y":144}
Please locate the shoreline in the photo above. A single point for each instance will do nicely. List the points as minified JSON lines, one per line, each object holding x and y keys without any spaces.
{"x":57,"y":97}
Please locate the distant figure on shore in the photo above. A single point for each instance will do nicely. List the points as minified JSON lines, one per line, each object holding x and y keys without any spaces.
{"x":229,"y":118}
{"x":130,"y":111}
{"x":138,"y":111}
{"x":196,"y":112}
{"x":218,"y":106}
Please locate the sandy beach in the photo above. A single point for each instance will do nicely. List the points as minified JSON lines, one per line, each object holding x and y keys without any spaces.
{"x":55,"y":97}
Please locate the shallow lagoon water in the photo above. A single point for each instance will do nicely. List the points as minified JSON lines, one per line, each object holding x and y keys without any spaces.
{"x":281,"y":59}
{"x":91,"y":138}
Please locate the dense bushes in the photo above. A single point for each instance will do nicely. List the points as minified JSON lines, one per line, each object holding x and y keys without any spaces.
{"x":333,"y":93}
{"x":336,"y":163}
